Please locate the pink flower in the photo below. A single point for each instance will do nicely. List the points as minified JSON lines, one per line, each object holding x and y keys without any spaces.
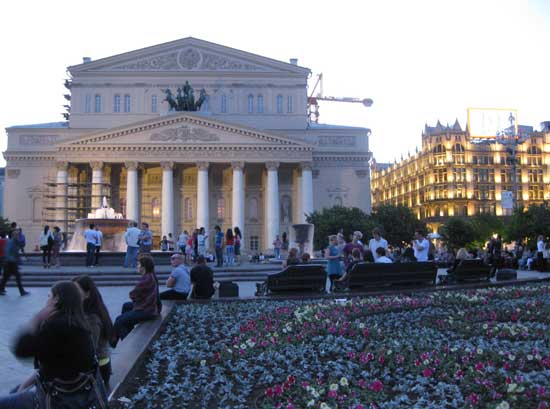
{"x":376,"y":386}
{"x":362,"y":383}
{"x":269,"y":392}
{"x":473,"y":399}
{"x":381,"y":359}
{"x":332,"y":394}
{"x":351,"y":355}
{"x":278,"y":390}
{"x":290,"y":406}
{"x":427,"y":372}
{"x":479,"y":366}
{"x":459,"y":374}
{"x":291,"y":379}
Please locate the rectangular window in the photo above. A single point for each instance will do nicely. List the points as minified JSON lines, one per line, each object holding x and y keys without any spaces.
{"x":223,"y":107}
{"x":279,"y":104}
{"x":88,"y":104}
{"x":289,"y":104}
{"x":126,"y":103}
{"x":117,"y":103}
{"x":254,"y":243}
{"x":250,"y":104}
{"x":154,"y":102}
{"x":260,"y":104}
{"x":98,"y":103}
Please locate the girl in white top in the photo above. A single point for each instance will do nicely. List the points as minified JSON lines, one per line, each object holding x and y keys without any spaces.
{"x":46,"y":243}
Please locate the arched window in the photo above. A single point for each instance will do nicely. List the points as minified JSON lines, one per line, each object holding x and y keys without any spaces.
{"x":220,"y":208}
{"x":223,"y":104}
{"x":154,"y":103}
{"x":289,"y":104}
{"x":97,"y":103}
{"x":88,"y":104}
{"x":260,"y":104}
{"x":117,"y":103}
{"x":279,"y":104}
{"x":250,"y":104}
{"x":188,"y":208}
{"x":155,"y":208}
{"x":253,"y":209}
{"x":338,"y":201}
{"x":126,"y":103}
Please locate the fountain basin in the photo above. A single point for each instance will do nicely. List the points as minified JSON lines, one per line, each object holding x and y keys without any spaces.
{"x":113,"y":234}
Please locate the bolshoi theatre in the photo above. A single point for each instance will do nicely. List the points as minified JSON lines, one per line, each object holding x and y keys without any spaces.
{"x":249,"y":157}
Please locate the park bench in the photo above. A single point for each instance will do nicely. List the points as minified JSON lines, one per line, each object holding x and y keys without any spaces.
{"x":295,"y":278}
{"x":386,"y":274}
{"x":469,"y":270}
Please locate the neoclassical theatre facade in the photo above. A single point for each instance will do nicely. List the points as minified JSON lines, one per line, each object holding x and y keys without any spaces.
{"x":248,"y":158}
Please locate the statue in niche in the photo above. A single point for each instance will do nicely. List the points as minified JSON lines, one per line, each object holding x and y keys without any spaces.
{"x":286,"y":209}
{"x":184,"y":99}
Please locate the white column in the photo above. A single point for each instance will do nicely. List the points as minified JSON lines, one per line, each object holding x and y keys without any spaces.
{"x":202,"y":196}
{"x":97,"y":183}
{"x":297,"y":204}
{"x":61,"y":180}
{"x":307,"y":191}
{"x":132,"y":205}
{"x":167,"y":221}
{"x":272,"y":203}
{"x":237,"y":205}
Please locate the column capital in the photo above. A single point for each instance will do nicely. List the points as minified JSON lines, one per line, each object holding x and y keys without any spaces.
{"x":203,"y":165}
{"x":239,"y":165}
{"x":272,"y":165}
{"x":306,"y":165}
{"x":131,"y":165}
{"x":97,"y":165}
{"x":61,"y":165}
{"x":167,"y":165}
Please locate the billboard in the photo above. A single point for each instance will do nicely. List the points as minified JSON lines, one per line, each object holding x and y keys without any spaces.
{"x":492,"y":123}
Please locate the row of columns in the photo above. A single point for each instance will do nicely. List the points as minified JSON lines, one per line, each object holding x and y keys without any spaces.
{"x":305,"y":200}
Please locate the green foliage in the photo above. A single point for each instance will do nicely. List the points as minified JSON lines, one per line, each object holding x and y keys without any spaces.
{"x":457,"y":232}
{"x":527,"y":224}
{"x":484,"y":226}
{"x":398,"y":223}
{"x":5,"y":225}
{"x":330,"y":221}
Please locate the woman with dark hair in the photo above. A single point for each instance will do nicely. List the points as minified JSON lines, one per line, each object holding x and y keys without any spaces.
{"x":46,"y":243}
{"x":99,"y":322}
{"x":56,"y":246}
{"x":229,"y":247}
{"x":238,"y":238}
{"x":145,"y":304}
{"x":58,"y":337}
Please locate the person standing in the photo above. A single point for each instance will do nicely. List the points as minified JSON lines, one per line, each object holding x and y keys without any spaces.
{"x":238,"y":238}
{"x":332,"y":254}
{"x":179,"y":282}
{"x":376,"y":242}
{"x":540,"y":253}
{"x":230,"y":247}
{"x":218,"y":246}
{"x":355,"y":243}
{"x":145,"y":239}
{"x":277,"y":244}
{"x":132,"y":238}
{"x":421,"y":246}
{"x":164,"y":244}
{"x":12,"y":257}
{"x":91,"y":238}
{"x":201,"y":242}
{"x":202,"y":278}
{"x":182,"y":241}
{"x":170,"y":242}
{"x":22,"y":242}
{"x":98,"y":244}
{"x":3,"y":243}
{"x":285,"y":244}
{"x":46,"y":243}
{"x":56,"y":247}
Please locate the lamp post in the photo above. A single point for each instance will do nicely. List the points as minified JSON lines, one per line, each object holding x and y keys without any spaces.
{"x":511,"y":139}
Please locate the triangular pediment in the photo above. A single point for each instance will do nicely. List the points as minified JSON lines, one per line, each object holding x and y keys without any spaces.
{"x":188,"y":55}
{"x":184,"y":129}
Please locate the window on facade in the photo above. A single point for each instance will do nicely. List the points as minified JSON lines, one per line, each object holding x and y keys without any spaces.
{"x":338,"y":201}
{"x":97,"y":103}
{"x":536,"y":192}
{"x":289,"y":104}
{"x":459,"y":174}
{"x":126,"y":103}
{"x":483,"y":160}
{"x":223,"y":104}
{"x":116,"y":107}
{"x":440,"y":175}
{"x":439,"y":155}
{"x":459,"y":153}
{"x":484,"y":175}
{"x":155,"y":208}
{"x":484,"y":192}
{"x":188,"y":209}
{"x":260,"y":104}
{"x":220,"y":208}
{"x":460,"y":191}
{"x":250,"y":104}
{"x":154,"y":103}
{"x":88,"y":104}
{"x":535,"y":175}
{"x":254,"y":243}
{"x":253,"y":209}
{"x":534,"y":156}
{"x":279,"y":104}
{"x":485,"y":208}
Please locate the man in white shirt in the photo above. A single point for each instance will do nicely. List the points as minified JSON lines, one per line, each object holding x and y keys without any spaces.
{"x":132,"y":237}
{"x":421,"y":246}
{"x":376,"y":242}
{"x":381,"y":256}
{"x":91,"y":239}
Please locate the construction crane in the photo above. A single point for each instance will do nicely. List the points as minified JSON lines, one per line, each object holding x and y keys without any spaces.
{"x":313,"y":104}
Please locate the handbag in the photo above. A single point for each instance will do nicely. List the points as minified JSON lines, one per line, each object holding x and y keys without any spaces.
{"x":86,"y":391}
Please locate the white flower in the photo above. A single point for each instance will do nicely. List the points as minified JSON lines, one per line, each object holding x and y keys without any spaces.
{"x":324,"y":406}
{"x":480,"y":351}
{"x":333,"y":387}
{"x":511,"y":387}
{"x":512,"y":357}
{"x":311,"y":403}
{"x":344,"y":381}
{"x":503,"y":405}
{"x":529,"y":357}
{"x":203,"y":362}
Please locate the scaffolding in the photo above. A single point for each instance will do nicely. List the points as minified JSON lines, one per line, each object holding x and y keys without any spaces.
{"x":64,"y":203}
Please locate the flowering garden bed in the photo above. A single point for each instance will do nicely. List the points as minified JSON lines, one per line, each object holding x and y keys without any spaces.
{"x":486,"y":348}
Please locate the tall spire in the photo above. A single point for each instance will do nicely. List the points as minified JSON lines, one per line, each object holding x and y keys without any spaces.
{"x":456,"y":126}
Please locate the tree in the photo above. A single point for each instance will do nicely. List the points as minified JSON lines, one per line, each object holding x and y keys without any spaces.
{"x":457,"y":233}
{"x":5,"y":225}
{"x":527,"y":224}
{"x":398,"y":223}
{"x":484,"y":226}
{"x":330,"y":221}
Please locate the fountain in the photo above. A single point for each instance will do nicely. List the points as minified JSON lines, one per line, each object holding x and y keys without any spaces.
{"x":301,"y":237}
{"x":112,"y":225}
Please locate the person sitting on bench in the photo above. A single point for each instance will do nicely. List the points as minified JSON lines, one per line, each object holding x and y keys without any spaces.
{"x":179,"y":282}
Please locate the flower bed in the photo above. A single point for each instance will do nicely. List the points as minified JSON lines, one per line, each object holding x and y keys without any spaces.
{"x":485,"y":348}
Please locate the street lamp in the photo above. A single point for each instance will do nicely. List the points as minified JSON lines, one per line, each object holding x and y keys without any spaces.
{"x":510,"y":138}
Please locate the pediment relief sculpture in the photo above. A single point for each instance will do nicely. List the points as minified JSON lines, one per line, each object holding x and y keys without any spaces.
{"x":185,"y":134}
{"x":187,"y":59}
